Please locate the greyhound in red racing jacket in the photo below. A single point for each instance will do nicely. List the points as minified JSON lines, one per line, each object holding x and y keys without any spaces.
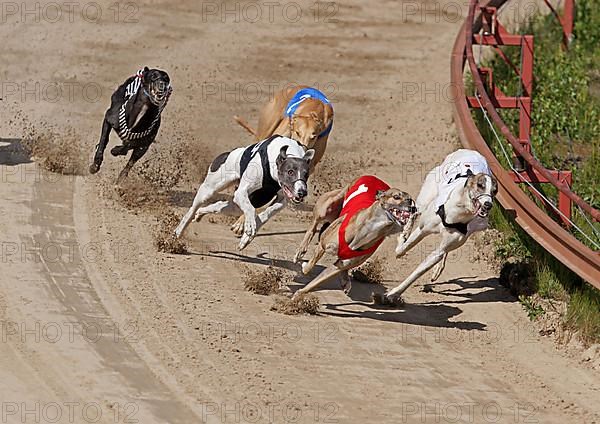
{"x":356,"y":219}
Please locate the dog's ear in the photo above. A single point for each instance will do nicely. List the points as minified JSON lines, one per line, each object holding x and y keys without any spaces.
{"x":309,"y":155}
{"x":145,"y":73}
{"x":494,"y":186}
{"x":282,"y":155}
{"x":469,"y":178}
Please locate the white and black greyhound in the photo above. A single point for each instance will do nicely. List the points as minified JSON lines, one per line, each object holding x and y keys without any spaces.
{"x":275,"y":168}
{"x":454,"y":201}
{"x":134,"y":113}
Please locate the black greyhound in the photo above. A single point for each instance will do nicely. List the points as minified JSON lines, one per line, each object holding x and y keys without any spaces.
{"x":134,"y":113}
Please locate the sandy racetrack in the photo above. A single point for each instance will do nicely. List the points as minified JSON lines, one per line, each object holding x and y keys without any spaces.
{"x":97,"y":323}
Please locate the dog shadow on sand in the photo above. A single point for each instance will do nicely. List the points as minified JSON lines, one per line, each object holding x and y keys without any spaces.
{"x":437,"y":313}
{"x":12,"y":152}
{"x":470,"y":291}
{"x":433,"y":314}
{"x":260,"y":259}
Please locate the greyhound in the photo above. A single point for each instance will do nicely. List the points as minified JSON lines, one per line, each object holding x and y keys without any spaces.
{"x":356,"y":218}
{"x":135,"y":115}
{"x":299,"y":112}
{"x":455,"y":201}
{"x":275,"y":169}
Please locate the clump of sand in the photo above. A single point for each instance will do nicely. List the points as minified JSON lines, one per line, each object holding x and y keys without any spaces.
{"x":371,"y":272}
{"x":164,"y":239}
{"x":301,"y":304}
{"x":266,"y":281}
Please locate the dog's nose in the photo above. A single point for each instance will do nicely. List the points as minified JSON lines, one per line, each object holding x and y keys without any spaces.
{"x":302,"y":192}
{"x":487,"y":205}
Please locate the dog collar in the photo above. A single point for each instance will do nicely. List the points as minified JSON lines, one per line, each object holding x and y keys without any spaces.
{"x":125,"y":133}
{"x":461,"y":227}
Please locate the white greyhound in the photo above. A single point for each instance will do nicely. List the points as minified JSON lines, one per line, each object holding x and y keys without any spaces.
{"x":455,"y":200}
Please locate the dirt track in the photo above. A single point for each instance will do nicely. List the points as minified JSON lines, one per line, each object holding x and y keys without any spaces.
{"x":96,"y":322}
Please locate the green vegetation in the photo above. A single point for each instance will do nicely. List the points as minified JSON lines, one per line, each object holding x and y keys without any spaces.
{"x":532,"y":310}
{"x":565,"y":135}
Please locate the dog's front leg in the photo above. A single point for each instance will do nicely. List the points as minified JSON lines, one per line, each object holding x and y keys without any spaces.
{"x":101,"y":147}
{"x":277,"y":205}
{"x":241,"y":199}
{"x":429,"y":262}
{"x":415,"y":237}
{"x":450,"y":241}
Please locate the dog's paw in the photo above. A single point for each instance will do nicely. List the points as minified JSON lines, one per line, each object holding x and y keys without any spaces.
{"x":306,"y":268}
{"x":347,"y":286}
{"x":384,"y":300}
{"x":250,"y":227}
{"x":245,"y":241}
{"x":94,"y":167}
{"x":298,"y":256}
{"x":238,"y":228}
{"x":437,"y":271}
{"x":400,"y":252}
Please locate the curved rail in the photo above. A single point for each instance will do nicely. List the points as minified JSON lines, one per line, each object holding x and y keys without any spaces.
{"x":549,"y":234}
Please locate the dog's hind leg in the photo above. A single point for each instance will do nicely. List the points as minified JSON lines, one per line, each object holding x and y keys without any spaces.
{"x":211,"y":185}
{"x":101,"y":147}
{"x":223,"y":206}
{"x":221,"y":174}
{"x":325,"y":275}
{"x":437,"y":271}
{"x":137,"y":154}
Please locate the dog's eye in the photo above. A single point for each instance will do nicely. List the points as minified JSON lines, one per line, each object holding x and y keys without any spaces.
{"x":397,"y":196}
{"x":290,"y":172}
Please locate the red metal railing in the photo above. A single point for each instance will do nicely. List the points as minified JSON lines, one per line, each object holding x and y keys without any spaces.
{"x":494,"y":34}
{"x":538,"y":224}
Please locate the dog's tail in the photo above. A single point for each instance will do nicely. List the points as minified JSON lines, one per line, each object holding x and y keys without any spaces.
{"x":244,"y":125}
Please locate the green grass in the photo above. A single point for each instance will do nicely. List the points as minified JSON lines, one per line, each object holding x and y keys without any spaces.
{"x":565,"y":135}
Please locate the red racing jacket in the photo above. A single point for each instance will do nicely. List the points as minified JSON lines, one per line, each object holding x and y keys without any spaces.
{"x":359,"y":196}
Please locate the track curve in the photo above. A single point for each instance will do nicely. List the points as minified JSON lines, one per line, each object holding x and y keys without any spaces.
{"x":562,"y":245}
